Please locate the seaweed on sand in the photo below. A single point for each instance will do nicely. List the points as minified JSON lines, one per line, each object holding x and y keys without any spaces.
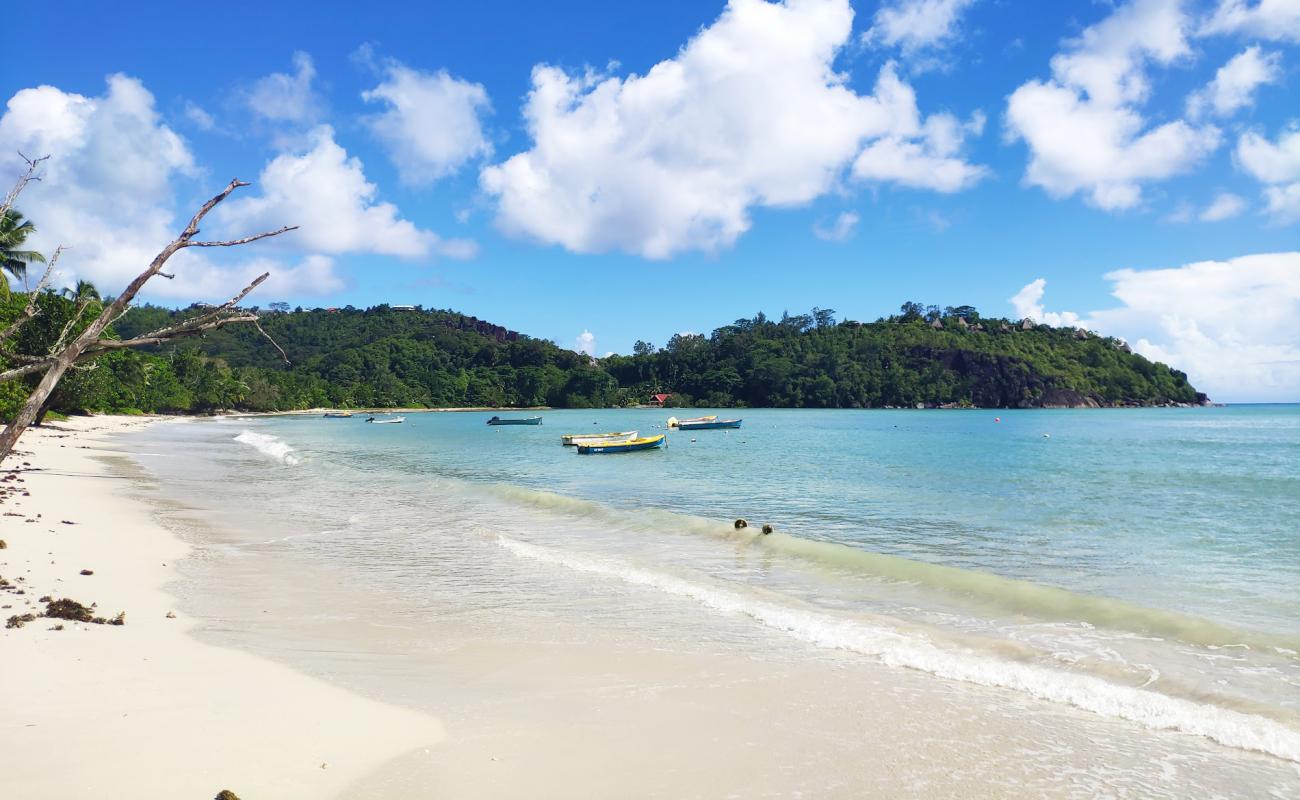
{"x":66,"y":608}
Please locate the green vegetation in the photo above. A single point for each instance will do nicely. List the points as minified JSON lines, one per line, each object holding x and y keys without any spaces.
{"x":14,"y":260}
{"x":389,"y":357}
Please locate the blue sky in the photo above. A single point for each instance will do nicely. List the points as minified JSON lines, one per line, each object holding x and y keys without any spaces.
{"x":781,"y":156}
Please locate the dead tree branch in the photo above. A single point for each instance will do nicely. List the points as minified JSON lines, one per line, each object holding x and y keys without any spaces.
{"x":33,"y":164}
{"x":30,"y":310}
{"x":91,"y":341}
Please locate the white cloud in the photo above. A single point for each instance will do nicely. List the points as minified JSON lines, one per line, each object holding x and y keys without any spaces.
{"x":106,"y":194}
{"x":200,"y":118}
{"x":585,"y":343}
{"x":916,"y":24}
{"x":325,"y":192}
{"x":1271,"y":162}
{"x":842,"y":229}
{"x":281,"y":97}
{"x":1028,"y":303}
{"x":1278,"y":166}
{"x":432,"y":123}
{"x":1233,"y":326}
{"x":312,"y":275}
{"x":1225,"y":206}
{"x":1274,"y":20}
{"x":1234,"y":84}
{"x":1282,"y":203}
{"x":750,"y":113}
{"x":1082,"y":126}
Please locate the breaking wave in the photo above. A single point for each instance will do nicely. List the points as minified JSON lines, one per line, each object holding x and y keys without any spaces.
{"x":894,"y":648}
{"x":270,"y":446}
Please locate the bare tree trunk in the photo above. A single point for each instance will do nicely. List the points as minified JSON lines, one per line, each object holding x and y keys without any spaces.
{"x":34,"y":402}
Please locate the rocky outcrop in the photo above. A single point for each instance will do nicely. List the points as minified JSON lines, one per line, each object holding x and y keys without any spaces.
{"x":998,"y":381}
{"x":1066,"y":398}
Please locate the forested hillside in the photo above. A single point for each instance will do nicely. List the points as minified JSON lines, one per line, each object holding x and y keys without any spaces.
{"x":389,"y":357}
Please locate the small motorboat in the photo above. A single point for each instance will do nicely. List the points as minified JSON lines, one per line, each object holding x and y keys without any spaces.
{"x":338,"y":414}
{"x":573,"y":439}
{"x":704,"y":425}
{"x":393,"y":421}
{"x":515,"y":421}
{"x":631,"y":445}
{"x":674,"y":422}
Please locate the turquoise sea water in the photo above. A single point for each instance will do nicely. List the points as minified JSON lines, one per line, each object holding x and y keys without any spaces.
{"x":1140,"y":564}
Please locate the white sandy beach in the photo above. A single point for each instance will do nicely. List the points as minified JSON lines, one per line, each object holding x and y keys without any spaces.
{"x":145,"y":710}
{"x":290,"y":683}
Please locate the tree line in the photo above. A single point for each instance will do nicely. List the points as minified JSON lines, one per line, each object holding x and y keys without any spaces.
{"x":400,"y":357}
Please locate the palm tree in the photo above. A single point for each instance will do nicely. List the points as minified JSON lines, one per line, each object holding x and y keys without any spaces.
{"x":85,"y":290}
{"x":14,"y":231}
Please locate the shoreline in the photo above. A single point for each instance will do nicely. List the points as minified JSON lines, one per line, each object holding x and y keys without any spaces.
{"x":276,"y":665}
{"x":145,"y":709}
{"x":673,"y":409}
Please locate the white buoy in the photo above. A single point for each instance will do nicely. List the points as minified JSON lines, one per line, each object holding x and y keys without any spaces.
{"x":1047,"y":435}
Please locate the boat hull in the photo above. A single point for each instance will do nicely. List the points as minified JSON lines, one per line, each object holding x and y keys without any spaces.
{"x":649,"y":443}
{"x":704,"y":426}
{"x":573,"y":439}
{"x":515,"y":421}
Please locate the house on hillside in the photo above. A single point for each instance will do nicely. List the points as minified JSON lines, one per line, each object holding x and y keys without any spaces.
{"x":659,"y":400}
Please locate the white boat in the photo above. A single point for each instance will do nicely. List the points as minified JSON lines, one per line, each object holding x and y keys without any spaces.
{"x":393,"y":421}
{"x":576,"y":439}
{"x":674,"y":422}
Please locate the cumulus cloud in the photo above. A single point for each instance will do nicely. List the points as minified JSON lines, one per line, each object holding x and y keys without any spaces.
{"x":1234,"y":85}
{"x":324,"y":191}
{"x":1274,"y":20}
{"x":931,"y":160}
{"x":1282,"y":203}
{"x":915,"y":25}
{"x":585,"y":343}
{"x":431,"y":125}
{"x":106,"y":194}
{"x":839,"y":231}
{"x":1225,"y":206}
{"x":1028,"y":303}
{"x":1083,"y":127}
{"x":750,"y":113}
{"x":1277,"y":165}
{"x":1233,"y":326}
{"x":285,"y":97}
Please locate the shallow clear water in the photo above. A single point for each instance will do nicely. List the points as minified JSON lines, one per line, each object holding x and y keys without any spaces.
{"x":1139,"y":564}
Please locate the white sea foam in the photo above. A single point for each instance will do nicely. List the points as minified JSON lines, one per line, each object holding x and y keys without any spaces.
{"x":895,"y":648}
{"x":270,"y":446}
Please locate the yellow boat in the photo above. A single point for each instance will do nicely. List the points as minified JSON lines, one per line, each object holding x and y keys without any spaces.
{"x":645,"y":443}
